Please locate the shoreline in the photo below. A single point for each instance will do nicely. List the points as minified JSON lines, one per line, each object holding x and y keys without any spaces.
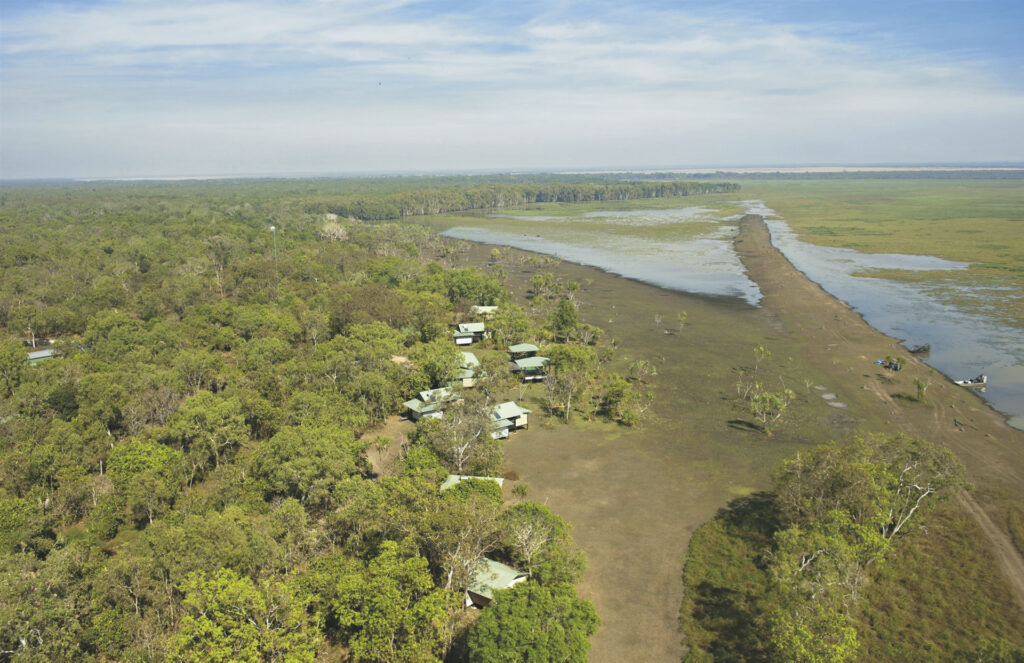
{"x":1006,"y":417}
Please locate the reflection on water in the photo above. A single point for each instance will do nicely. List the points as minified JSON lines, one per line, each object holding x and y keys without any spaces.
{"x":703,"y":263}
{"x":963,"y":344}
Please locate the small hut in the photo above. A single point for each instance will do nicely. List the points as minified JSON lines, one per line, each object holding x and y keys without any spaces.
{"x":430,"y":403}
{"x":521,"y":350}
{"x":488,"y":577}
{"x":516,"y":415}
{"x":531,"y":368}
{"x":469,"y":332}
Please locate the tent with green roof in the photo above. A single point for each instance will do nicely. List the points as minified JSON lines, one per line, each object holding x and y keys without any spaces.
{"x":488,"y":577}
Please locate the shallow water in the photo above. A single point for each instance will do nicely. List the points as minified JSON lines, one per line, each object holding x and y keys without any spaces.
{"x":701,"y":262}
{"x":963,"y":344}
{"x":660,"y":247}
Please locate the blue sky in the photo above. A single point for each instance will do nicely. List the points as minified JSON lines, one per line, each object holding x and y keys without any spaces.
{"x":132,"y":88}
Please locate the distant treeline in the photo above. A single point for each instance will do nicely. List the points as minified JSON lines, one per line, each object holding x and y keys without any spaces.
{"x":967,"y":174}
{"x":439,"y":201}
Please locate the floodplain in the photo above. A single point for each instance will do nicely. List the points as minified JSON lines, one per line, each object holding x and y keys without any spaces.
{"x":636,"y":495}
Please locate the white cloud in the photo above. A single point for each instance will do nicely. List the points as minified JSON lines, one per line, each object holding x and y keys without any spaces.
{"x":160,"y":88}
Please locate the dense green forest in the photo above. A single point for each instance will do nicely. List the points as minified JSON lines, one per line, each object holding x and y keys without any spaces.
{"x":196,"y":473}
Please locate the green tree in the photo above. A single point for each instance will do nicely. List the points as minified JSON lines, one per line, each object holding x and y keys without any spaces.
{"x":207,"y":426}
{"x":437,"y":360}
{"x":231,"y":618}
{"x":509,"y":325}
{"x":570,"y":371}
{"x":538,"y":541}
{"x":308,"y":463}
{"x":564,"y":319}
{"x":769,"y":407}
{"x":147,"y":475}
{"x":462,"y":439}
{"x":815,"y":634}
{"x":12,"y":361}
{"x":390,"y":610}
{"x":533,"y":623}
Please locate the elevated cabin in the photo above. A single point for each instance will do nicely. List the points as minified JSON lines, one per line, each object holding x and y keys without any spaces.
{"x":464,"y":377}
{"x":532,"y":369}
{"x":469,"y":332}
{"x":453,"y":479}
{"x":500,"y":429}
{"x":488,"y":577}
{"x":514,"y":414}
{"x":429,"y":404}
{"x":38,"y":356}
{"x":469,"y":360}
{"x":483,"y":311}
{"x":521,"y":350}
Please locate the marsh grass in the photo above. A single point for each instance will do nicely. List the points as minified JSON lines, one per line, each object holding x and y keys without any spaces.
{"x":981,"y":222}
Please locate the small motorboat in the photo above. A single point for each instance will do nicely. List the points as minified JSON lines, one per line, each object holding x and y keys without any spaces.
{"x":979,"y":381}
{"x":921,"y":349}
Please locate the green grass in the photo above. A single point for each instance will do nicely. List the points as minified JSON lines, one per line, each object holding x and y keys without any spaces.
{"x":973,"y":221}
{"x":981,"y":222}
{"x":940,"y":593}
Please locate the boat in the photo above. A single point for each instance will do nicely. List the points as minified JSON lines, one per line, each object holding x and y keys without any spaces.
{"x":921,"y":349}
{"x":979,"y":381}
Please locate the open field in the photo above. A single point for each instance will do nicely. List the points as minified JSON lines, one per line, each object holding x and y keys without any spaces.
{"x":635,"y":496}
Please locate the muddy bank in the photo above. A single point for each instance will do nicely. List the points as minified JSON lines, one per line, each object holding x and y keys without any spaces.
{"x":634,"y":496}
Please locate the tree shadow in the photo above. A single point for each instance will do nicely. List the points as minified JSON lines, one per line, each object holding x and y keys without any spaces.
{"x":753,"y":517}
{"x":728,"y":602}
{"x":731,"y":617}
{"x":748,"y":426}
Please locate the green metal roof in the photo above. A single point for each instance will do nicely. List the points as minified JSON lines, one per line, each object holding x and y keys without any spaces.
{"x":472,"y":327}
{"x":522,"y":347}
{"x":439,"y":395}
{"x":39,"y":355}
{"x":508,"y":410}
{"x":416,"y":405}
{"x":469,"y":360}
{"x":456,"y":478}
{"x":491,"y":575}
{"x":532,"y":362}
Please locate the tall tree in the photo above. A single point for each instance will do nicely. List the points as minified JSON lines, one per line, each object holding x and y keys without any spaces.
{"x":533,"y":623}
{"x":232,"y":618}
{"x":390,"y":610}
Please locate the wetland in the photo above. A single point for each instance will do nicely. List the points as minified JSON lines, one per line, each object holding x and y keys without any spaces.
{"x":955,"y":306}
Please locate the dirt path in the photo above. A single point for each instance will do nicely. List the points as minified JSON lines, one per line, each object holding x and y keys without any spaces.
{"x":1010,"y":561}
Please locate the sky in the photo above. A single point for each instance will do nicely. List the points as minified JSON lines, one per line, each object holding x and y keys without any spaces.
{"x":135,"y":88}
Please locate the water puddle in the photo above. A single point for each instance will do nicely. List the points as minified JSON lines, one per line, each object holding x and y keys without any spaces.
{"x":963,"y":344}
